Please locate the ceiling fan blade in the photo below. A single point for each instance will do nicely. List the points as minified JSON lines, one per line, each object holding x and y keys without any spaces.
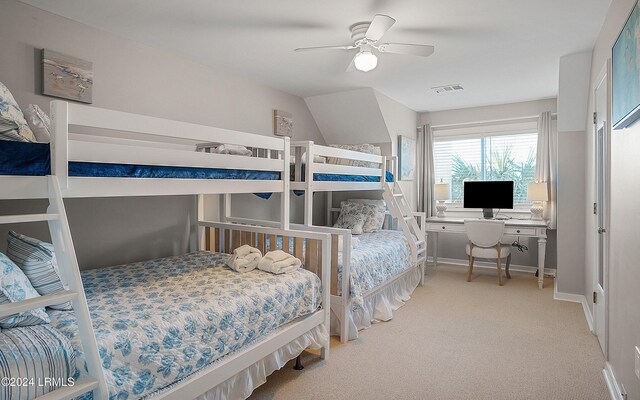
{"x":421,"y":50}
{"x":346,"y":47}
{"x":379,"y":26}
{"x":352,"y":65}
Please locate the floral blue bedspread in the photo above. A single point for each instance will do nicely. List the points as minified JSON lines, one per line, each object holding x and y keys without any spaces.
{"x":378,"y":257}
{"x":159,"y":321}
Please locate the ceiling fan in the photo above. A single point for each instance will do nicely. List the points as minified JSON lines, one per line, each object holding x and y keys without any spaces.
{"x":366,"y":37}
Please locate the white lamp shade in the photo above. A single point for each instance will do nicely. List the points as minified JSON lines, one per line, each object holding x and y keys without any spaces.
{"x":537,"y":192}
{"x":365,"y":61}
{"x":441,"y":191}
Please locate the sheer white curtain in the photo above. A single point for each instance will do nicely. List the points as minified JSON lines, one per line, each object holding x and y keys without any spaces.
{"x":546,"y":164}
{"x":426,"y":178}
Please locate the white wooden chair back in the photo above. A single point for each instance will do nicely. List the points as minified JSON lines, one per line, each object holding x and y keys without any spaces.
{"x":484,"y":233}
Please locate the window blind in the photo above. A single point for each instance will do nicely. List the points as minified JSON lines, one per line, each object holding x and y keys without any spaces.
{"x":486,"y":157}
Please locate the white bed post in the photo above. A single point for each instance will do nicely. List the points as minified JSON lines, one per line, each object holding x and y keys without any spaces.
{"x":326,"y":283}
{"x":383,"y":167}
{"x":346,"y":294}
{"x":308,"y":195}
{"x":200,"y":236}
{"x":286,"y":194}
{"x":225,"y":207}
{"x":60,"y":141}
{"x":329,"y":221}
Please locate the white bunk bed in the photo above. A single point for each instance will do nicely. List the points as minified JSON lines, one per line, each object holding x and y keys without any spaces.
{"x":156,"y":142}
{"x":388,"y":265}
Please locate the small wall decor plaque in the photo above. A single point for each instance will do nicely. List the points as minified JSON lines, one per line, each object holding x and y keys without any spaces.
{"x":66,"y":77}
{"x":282,"y":123}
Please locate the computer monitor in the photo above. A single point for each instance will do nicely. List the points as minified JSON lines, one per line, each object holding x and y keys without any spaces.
{"x":488,"y":195}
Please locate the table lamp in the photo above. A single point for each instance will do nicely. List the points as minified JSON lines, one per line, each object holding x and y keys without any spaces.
{"x":537,"y":193}
{"x":441,"y":193}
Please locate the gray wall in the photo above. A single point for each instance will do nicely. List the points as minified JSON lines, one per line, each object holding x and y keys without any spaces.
{"x":136,"y":78}
{"x":573,"y":94}
{"x":624,"y":272}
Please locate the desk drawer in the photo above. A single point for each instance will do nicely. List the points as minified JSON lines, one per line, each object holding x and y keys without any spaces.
{"x":512,"y":230}
{"x":456,"y":228}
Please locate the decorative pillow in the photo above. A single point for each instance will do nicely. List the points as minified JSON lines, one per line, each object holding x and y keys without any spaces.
{"x":375,"y":213}
{"x":39,"y":354}
{"x":12,"y":123}
{"x":38,"y":262}
{"x":39,"y":123}
{"x":351,"y":217}
{"x":14,"y":287}
{"x":362,"y":148}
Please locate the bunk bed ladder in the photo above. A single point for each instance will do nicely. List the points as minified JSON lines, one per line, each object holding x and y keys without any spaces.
{"x":401,"y":210}
{"x":68,"y":266}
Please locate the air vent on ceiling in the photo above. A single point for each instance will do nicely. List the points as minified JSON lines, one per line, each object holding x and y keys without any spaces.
{"x":447,"y":88}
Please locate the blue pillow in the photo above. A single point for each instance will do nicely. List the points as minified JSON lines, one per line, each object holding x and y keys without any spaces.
{"x":38,"y":262}
{"x":14,"y":286}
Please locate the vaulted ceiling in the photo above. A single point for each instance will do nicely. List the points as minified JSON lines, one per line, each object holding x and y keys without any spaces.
{"x":500,"y":51}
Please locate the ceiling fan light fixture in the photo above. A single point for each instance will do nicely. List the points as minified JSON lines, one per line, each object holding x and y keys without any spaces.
{"x":365,"y":61}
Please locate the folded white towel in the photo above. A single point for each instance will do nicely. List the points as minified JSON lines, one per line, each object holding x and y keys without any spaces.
{"x":244,"y":259}
{"x":279,"y":262}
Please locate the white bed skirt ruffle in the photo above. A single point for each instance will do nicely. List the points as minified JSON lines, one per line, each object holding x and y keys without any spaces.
{"x":241,"y":385}
{"x":380,"y":306}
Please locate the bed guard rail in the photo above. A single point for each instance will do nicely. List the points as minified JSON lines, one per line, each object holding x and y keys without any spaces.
{"x":305,"y":152}
{"x":90,"y":134}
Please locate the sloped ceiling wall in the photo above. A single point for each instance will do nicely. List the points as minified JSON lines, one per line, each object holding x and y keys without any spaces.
{"x":350,"y":117}
{"x":365,"y":116}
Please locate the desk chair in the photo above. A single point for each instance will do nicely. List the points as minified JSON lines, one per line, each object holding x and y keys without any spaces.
{"x":484,"y":242}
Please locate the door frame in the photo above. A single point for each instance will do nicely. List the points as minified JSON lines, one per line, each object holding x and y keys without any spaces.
{"x":603,"y":302}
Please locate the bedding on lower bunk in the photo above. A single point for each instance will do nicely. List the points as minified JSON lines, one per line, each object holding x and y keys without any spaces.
{"x":378,"y":257}
{"x":157,"y":322}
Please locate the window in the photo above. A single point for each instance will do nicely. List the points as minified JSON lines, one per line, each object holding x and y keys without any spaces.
{"x":502,"y":157}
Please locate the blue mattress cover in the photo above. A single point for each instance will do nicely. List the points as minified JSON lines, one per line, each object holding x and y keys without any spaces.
{"x":320,"y":177}
{"x":34,"y":159}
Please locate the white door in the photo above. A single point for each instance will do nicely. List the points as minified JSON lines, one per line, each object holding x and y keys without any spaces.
{"x":601,"y":209}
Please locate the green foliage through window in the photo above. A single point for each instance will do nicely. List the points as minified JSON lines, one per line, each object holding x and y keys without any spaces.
{"x":501,"y":158}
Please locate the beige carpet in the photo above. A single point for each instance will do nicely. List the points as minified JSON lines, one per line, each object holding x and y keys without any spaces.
{"x":459,"y":340}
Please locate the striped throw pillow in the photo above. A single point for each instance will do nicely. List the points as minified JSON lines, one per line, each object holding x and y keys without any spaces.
{"x":14,"y":287}
{"x":38,"y":262}
{"x":39,"y":354}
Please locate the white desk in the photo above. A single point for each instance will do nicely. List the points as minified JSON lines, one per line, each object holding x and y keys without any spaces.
{"x":513,"y":227}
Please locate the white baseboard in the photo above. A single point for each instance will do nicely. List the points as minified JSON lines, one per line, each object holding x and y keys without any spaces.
{"x":485,"y":264}
{"x":574,"y":298}
{"x":615,"y":391}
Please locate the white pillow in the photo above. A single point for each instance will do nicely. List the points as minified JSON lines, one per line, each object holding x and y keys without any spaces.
{"x":39,"y":123}
{"x":351,"y":217}
{"x":233,"y":149}
{"x":13,"y":126}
